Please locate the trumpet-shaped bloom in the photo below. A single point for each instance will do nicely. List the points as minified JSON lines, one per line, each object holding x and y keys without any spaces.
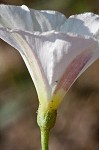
{"x":56,"y":50}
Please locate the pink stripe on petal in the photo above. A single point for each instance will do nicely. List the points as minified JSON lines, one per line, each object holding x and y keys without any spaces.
{"x":73,"y":70}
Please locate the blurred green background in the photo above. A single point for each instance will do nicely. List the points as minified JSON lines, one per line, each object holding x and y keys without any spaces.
{"x":77,"y":126}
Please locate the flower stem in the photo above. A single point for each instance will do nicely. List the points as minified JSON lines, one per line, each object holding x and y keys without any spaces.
{"x":46,"y":121}
{"x":44,"y":139}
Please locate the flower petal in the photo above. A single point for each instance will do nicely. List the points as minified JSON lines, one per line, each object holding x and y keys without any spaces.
{"x":18,"y":41}
{"x":76,"y":67}
{"x":49,"y":54}
{"x":23,"y":18}
{"x":54,"y":59}
{"x":84,"y":24}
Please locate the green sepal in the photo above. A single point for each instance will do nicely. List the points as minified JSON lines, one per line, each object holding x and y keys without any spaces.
{"x":46,"y":120}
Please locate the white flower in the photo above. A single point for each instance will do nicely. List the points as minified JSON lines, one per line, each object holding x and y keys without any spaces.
{"x":56,"y":50}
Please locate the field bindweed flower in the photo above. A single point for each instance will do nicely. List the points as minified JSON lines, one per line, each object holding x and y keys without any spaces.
{"x":55,"y":50}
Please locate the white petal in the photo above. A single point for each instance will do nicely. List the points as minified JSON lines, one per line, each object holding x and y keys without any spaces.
{"x":54,"y":59}
{"x":84,"y":24}
{"x":57,"y":50}
{"x":23,"y":18}
{"x":77,"y":66}
{"x":18,"y":41}
{"x":15,"y":17}
{"x":54,"y":51}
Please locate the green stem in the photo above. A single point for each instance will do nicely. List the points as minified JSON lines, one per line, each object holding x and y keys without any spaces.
{"x":46,"y":121}
{"x":44,"y":139}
